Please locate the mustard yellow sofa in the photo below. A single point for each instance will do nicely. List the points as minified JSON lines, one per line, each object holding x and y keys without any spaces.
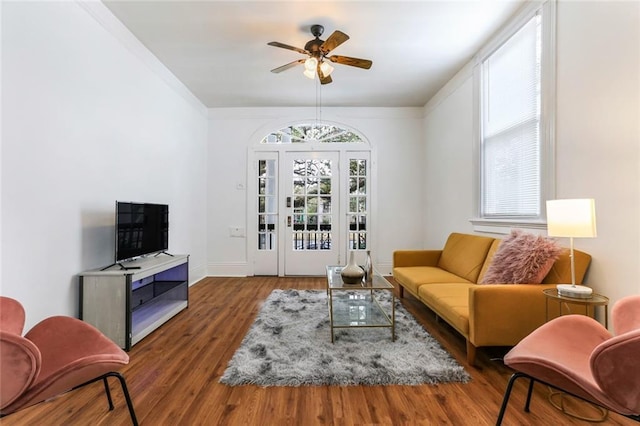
{"x":485,"y":314}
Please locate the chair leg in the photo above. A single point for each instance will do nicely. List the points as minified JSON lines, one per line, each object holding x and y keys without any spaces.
{"x":123,"y":383}
{"x":507,"y":394}
{"x":108,"y":392}
{"x":127,"y":397}
{"x":529,"y":393}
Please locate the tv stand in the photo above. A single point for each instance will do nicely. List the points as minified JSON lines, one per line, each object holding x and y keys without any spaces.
{"x":128,"y":303}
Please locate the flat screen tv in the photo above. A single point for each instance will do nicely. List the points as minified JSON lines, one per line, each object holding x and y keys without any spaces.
{"x":141,"y":229}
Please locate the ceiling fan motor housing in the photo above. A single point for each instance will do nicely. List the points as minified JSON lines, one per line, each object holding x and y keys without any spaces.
{"x":313,"y":46}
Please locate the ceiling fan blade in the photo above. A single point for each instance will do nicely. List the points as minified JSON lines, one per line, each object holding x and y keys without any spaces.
{"x":326,"y":80}
{"x":354,"y":62}
{"x":287,"y":66}
{"x":323,"y":79}
{"x":334,"y":40}
{"x":286,"y":46}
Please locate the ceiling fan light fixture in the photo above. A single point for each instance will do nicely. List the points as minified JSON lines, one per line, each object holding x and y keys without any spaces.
{"x":326,"y":68}
{"x":310,"y":64}
{"x":316,"y":51}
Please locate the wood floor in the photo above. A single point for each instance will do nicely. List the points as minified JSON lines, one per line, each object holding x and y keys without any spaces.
{"x":173,"y":378}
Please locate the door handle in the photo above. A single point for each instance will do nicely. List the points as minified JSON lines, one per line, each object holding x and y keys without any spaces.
{"x":288,"y":221}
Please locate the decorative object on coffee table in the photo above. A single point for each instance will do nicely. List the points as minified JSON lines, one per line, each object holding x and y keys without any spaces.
{"x":368,"y":270}
{"x":352,"y":273}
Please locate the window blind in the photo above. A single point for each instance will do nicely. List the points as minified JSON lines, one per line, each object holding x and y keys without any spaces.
{"x":511,"y":90}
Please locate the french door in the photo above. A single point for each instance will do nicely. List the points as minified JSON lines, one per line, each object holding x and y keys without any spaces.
{"x":311,"y":204}
{"x":311,"y":207}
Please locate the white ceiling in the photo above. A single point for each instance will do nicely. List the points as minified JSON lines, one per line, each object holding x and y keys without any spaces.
{"x":218,"y":49}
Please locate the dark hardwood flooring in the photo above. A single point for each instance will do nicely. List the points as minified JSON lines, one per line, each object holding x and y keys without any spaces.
{"x":173,"y":378}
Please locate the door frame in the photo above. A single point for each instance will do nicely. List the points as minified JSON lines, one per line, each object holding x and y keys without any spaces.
{"x":343,"y":149}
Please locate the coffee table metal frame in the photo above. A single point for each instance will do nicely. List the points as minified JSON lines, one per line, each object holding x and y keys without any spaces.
{"x":342,"y":297}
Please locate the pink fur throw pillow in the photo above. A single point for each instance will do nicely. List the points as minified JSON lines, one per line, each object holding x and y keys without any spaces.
{"x":522,"y":258}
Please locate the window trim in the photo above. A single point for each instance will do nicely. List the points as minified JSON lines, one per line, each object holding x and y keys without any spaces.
{"x":547,"y":117}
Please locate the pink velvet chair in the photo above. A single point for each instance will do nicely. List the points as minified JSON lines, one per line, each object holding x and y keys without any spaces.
{"x":57,"y":355}
{"x":577,"y":355}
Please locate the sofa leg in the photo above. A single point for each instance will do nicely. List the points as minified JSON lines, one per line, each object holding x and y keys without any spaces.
{"x":471,"y":353}
{"x":400,"y":291}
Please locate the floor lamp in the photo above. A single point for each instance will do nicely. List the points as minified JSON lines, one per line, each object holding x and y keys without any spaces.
{"x":573,"y":218}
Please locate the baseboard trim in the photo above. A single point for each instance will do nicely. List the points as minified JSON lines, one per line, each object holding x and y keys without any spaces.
{"x":227,"y":269}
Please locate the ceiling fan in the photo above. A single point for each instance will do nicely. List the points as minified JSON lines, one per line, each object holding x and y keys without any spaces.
{"x":317,"y":51}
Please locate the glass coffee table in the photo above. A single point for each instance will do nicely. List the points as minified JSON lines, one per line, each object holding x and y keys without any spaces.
{"x":356,"y":305}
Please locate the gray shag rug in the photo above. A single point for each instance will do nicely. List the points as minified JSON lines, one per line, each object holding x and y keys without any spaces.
{"x":289,"y":344}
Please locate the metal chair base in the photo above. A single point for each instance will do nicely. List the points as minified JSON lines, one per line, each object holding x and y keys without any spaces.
{"x":104,"y":378}
{"x":515,"y":376}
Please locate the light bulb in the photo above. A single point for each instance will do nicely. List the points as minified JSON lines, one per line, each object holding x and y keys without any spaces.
{"x":311,"y":64}
{"x":309,"y":74}
{"x":326,"y":68}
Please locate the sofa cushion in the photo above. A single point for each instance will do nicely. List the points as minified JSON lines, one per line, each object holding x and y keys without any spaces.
{"x":487,"y":262}
{"x":522,"y":257}
{"x":450,"y":301}
{"x":464,"y":255}
{"x":412,"y":277}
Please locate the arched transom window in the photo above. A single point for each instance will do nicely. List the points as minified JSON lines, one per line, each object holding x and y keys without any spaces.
{"x":305,"y":133}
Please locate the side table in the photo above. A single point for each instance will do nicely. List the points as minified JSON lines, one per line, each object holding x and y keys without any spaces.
{"x":593,"y":301}
{"x":556,"y":398}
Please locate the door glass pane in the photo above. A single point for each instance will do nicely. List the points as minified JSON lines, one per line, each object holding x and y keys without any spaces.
{"x":299,"y":205}
{"x":325,"y":205}
{"x":325,"y":185}
{"x":298,"y":186}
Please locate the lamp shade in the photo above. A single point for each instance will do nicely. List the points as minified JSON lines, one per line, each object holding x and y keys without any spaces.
{"x":574,"y":218}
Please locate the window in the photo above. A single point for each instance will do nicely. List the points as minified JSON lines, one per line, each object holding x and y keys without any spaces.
{"x":514,"y":77}
{"x":301,"y":133}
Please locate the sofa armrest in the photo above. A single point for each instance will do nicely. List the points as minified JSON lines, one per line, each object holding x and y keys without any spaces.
{"x":503,"y":314}
{"x":402,"y":258}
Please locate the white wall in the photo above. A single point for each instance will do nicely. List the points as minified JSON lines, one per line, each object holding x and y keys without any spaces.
{"x":394,"y":133}
{"x":87,"y":122}
{"x":450,"y":179}
{"x":597,"y":139}
{"x":598,"y":132}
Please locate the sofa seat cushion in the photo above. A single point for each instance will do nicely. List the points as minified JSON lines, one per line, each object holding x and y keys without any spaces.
{"x":450,"y":301}
{"x":412,"y":277}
